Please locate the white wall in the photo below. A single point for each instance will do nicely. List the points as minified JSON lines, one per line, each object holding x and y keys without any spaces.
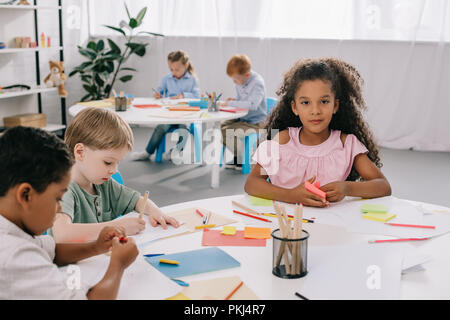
{"x":406,"y":84}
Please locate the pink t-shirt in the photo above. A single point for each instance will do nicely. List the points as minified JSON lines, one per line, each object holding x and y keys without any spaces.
{"x":290,"y":164}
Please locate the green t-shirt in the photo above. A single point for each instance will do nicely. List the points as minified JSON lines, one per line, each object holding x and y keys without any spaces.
{"x":111,"y":201}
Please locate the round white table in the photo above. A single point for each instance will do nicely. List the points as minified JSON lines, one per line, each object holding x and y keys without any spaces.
{"x":151,"y":117}
{"x":433,"y":282}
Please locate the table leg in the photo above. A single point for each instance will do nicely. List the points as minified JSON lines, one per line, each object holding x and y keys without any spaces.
{"x":212,"y":151}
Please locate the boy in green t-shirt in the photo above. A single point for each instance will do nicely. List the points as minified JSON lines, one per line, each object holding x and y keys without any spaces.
{"x":99,"y":139}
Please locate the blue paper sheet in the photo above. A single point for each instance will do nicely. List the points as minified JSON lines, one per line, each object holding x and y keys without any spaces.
{"x":194,"y":262}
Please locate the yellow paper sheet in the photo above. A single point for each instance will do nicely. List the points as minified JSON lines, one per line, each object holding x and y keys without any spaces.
{"x":257,"y":233}
{"x":255,"y":201}
{"x":381,"y":217}
{"x":179,"y":296}
{"x":218,"y":289}
{"x":229,"y":230}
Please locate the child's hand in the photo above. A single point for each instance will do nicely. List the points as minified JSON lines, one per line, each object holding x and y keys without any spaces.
{"x":157,"y":95}
{"x":308,"y":198}
{"x":336,"y":191}
{"x":179,"y":96}
{"x":104,"y":240}
{"x":228,"y":100}
{"x":124,"y":252}
{"x":156,"y":216}
{"x":131,"y":226}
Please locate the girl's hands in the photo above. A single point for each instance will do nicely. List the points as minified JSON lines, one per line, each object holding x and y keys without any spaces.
{"x":131,"y":226}
{"x":106,"y":236}
{"x":179,"y":96}
{"x":308,"y":198}
{"x":156,"y":216}
{"x":336,"y":191}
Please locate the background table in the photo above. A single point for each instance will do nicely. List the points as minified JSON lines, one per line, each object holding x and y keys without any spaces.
{"x":149,"y":117}
{"x":256,"y":262}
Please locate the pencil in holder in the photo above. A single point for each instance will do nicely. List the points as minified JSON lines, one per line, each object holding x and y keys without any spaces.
{"x":290,"y":255}
{"x":121,"y":103}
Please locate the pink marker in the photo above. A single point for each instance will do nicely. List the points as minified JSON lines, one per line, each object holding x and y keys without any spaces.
{"x":315,"y":190}
{"x":396,"y":240}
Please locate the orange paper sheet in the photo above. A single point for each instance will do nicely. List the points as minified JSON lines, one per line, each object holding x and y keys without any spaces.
{"x":216,"y":238}
{"x":181,"y":108}
{"x":144,"y":106}
{"x":257,"y":233}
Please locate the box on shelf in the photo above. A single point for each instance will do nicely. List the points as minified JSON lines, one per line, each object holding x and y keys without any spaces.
{"x":36,"y":120}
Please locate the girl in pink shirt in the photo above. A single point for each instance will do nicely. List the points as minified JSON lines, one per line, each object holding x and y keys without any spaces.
{"x":318,"y":135}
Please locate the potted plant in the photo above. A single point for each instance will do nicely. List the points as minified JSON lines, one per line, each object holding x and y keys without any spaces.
{"x":106,"y":61}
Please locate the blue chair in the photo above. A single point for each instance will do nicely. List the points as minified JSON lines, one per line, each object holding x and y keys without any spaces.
{"x":118,"y":177}
{"x":250,"y":141}
{"x":196,"y":130}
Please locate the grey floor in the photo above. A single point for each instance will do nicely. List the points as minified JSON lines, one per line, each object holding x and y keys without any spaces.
{"x":413,"y":175}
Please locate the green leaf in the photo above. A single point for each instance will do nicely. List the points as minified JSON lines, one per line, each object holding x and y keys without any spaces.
{"x":151,"y":33}
{"x":100,"y":45}
{"x":133,"y":23}
{"x":114,"y":47}
{"x":141,"y":15}
{"x":99,"y":80}
{"x":86,"y":78}
{"x":137,"y":48}
{"x":112,"y":56}
{"x":116,"y":29}
{"x":128,"y":12}
{"x":74,"y":72}
{"x":91,"y":45}
{"x":89,"y":53}
{"x":90,"y":89}
{"x":128,"y":69}
{"x":110,"y":66}
{"x":126,"y":78}
{"x":86,"y":97}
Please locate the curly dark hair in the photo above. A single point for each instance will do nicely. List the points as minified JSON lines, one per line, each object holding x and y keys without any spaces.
{"x":346,"y":84}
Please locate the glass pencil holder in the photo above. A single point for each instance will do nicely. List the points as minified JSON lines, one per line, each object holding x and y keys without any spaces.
{"x":121,"y":103}
{"x":290,"y":255}
{"x":212,"y":106}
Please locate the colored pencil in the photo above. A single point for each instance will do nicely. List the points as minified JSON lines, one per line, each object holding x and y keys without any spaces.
{"x":201,"y":214}
{"x":167,"y":261}
{"x":410,"y":225}
{"x":300,"y":296}
{"x":205,"y":226}
{"x":145,"y":204}
{"x":234,"y":290}
{"x":249,"y":215}
{"x":396,"y":240}
{"x":237,"y":204}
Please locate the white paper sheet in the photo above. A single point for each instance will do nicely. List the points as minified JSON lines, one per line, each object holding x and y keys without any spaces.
{"x":151,"y":233}
{"x":140,"y":280}
{"x":357,"y":272}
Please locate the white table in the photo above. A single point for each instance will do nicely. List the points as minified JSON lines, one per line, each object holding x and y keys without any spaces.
{"x":151,"y":117}
{"x":256,"y":262}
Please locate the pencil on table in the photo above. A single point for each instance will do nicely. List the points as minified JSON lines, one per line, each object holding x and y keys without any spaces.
{"x":234,"y":290}
{"x":237,"y":204}
{"x":145,"y":204}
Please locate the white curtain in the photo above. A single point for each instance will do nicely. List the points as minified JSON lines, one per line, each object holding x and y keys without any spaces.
{"x":401,"y":48}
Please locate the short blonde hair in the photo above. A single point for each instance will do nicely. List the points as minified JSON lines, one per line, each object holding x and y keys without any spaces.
{"x":238,"y":63}
{"x":99,"y":129}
